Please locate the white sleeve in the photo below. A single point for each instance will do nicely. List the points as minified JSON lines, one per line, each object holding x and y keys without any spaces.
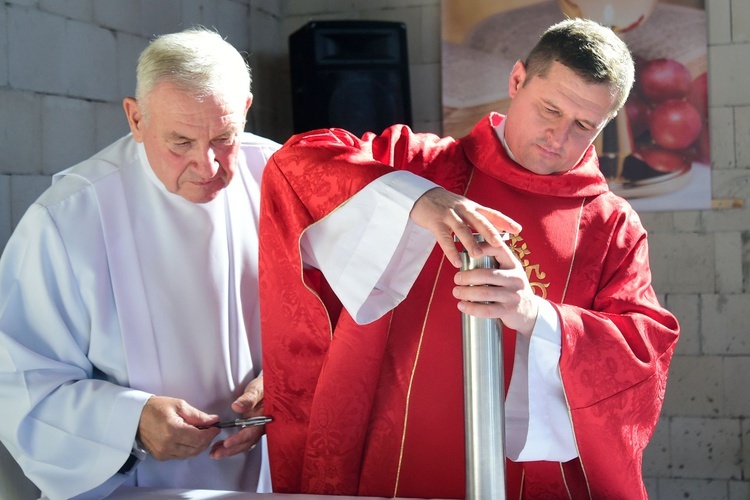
{"x":368,"y":249}
{"x":537,"y":421}
{"x":68,"y":427}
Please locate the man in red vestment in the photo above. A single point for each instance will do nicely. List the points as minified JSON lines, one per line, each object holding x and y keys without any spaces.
{"x":361,"y":312}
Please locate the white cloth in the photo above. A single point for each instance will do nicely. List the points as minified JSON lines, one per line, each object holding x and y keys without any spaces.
{"x":377,"y":255}
{"x":113,"y":289}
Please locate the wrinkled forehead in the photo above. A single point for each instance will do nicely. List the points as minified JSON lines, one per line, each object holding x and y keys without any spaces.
{"x":173,"y":98}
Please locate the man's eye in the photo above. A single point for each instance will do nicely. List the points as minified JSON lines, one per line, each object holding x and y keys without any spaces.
{"x":225,"y":141}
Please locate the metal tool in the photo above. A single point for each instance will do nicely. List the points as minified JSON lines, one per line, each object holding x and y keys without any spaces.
{"x":243,"y":422}
{"x":483,"y":398}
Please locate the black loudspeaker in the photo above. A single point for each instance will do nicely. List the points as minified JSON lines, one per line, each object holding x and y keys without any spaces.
{"x":350,"y":74}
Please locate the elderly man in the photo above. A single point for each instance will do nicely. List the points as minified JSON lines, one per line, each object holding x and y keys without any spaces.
{"x":129,"y":320}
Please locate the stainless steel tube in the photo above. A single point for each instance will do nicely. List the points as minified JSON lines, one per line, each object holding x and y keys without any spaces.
{"x":483,"y":399}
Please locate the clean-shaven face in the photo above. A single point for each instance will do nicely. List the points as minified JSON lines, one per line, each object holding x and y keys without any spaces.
{"x":192,"y":145}
{"x":553,"y":119}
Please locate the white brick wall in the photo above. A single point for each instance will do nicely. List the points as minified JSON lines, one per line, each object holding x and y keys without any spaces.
{"x":24,"y":189}
{"x":721,"y":121}
{"x":110,"y":123}
{"x":705,"y":448}
{"x":72,"y":9}
{"x":66,"y":121}
{"x":128,"y":48}
{"x":35,"y":36}
{"x":728,"y":250}
{"x":5,"y":217}
{"x":740,"y":21}
{"x":3,"y":48}
{"x":66,"y":64}
{"x":682,"y":262}
{"x":742,"y":134}
{"x":20,"y":135}
{"x":118,"y":15}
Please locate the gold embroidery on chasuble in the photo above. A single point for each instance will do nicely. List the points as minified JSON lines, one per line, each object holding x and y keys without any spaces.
{"x":533,"y":271}
{"x":537,"y":277}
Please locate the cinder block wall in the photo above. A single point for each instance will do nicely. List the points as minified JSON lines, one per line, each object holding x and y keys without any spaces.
{"x":65,"y":66}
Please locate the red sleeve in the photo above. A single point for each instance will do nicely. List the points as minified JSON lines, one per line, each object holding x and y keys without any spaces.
{"x":304,"y":181}
{"x":326,"y":167}
{"x":615,"y":356}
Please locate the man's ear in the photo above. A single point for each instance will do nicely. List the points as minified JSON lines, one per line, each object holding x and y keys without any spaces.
{"x":517,"y":78}
{"x":248,"y":103}
{"x":135,"y":117}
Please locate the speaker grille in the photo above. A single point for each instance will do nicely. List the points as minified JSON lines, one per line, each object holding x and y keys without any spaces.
{"x":349,"y":74}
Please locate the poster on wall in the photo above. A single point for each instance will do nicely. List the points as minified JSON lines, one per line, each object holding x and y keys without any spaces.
{"x":655,"y":153}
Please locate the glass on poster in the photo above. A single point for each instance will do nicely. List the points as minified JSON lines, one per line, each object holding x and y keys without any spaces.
{"x":656,"y":152}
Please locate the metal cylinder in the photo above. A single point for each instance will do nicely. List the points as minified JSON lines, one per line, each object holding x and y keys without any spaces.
{"x":483,"y":399}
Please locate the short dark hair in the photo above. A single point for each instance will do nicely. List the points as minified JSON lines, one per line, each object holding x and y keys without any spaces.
{"x":594,"y":52}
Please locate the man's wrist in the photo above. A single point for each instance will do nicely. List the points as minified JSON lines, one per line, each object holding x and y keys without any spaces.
{"x":139,"y":450}
{"x":138,"y":453}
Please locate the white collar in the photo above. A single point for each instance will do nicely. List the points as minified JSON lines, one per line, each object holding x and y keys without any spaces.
{"x":500,"y":131}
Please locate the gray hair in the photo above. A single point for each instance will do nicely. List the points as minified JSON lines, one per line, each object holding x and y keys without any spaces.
{"x":594,"y":52}
{"x":197,"y":60}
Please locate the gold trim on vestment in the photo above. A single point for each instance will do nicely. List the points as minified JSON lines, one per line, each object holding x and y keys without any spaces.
{"x":411,"y":377}
{"x":567,"y":403}
{"x":416,"y":358}
{"x":573,"y":254}
{"x":565,"y":482}
{"x":302,"y":271}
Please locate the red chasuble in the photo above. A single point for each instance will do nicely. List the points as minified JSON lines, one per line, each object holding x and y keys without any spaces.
{"x":377,"y":409}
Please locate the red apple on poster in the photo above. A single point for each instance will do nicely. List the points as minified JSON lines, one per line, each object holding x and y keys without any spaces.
{"x":638,"y":114}
{"x":675,"y":124}
{"x":662,"y":79}
{"x":698,"y":94}
{"x":663,"y":160}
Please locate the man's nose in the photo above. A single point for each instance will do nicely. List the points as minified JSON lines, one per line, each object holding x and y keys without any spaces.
{"x":206,"y":163}
{"x":557,"y":134}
